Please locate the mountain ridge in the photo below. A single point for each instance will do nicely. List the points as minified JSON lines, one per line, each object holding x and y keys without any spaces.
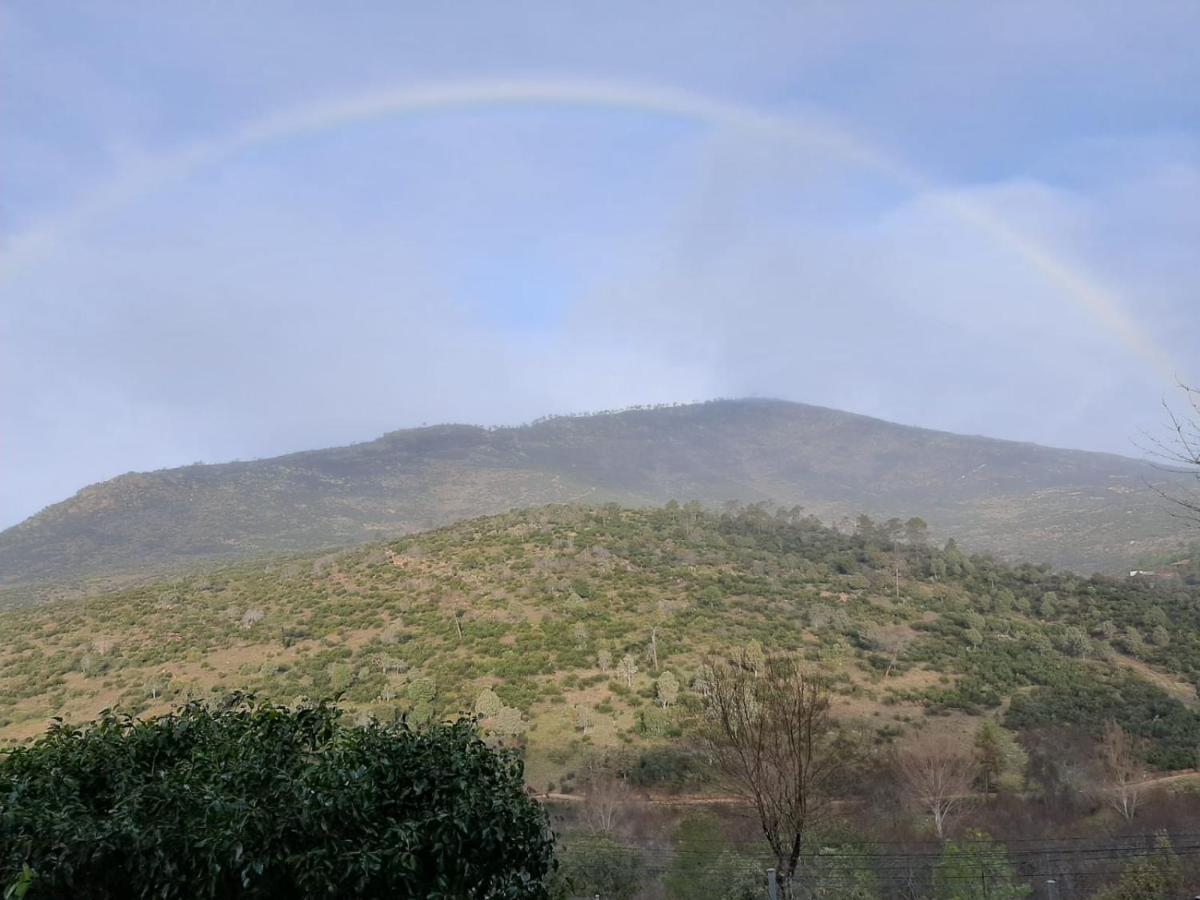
{"x":1080,"y":509}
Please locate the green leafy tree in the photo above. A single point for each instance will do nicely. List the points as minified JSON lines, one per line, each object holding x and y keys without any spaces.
{"x":841,"y":873}
{"x":596,"y":864}
{"x":421,"y":693}
{"x":668,"y":689}
{"x":258,"y":801}
{"x":754,"y":657}
{"x":341,"y":676}
{"x":703,"y":865}
{"x":997,"y":754}
{"x":487,"y":704}
{"x":1075,"y":641}
{"x":916,"y":532}
{"x":1152,"y":877}
{"x":1106,"y":630}
{"x":508,"y":721}
{"x":976,"y":869}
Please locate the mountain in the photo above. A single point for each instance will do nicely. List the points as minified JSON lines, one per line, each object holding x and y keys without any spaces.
{"x":1087,"y":511}
{"x":560,"y":624}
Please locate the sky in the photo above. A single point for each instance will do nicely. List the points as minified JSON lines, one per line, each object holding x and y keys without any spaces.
{"x":233,"y":230}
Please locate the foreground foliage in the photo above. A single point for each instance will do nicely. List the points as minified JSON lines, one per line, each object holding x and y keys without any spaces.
{"x":250,"y":800}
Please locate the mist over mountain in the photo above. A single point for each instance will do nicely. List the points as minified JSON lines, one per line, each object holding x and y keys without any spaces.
{"x":1082,"y":510}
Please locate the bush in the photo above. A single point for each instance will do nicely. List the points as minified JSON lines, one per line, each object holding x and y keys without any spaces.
{"x":597,"y":864}
{"x":669,"y":768}
{"x":251,"y":800}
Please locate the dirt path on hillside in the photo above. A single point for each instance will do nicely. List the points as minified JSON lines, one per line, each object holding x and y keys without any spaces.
{"x":1158,"y":781}
{"x":1180,"y":690}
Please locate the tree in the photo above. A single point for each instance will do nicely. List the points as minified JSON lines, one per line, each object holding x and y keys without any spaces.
{"x":754,"y":657}
{"x":607,"y":800}
{"x":627,"y":669}
{"x":1075,"y":641}
{"x":916,"y":532}
{"x":668,"y":689}
{"x":773,"y":740}
{"x":703,"y":864}
{"x":976,"y":869}
{"x":604,"y":660}
{"x":341,"y":676}
{"x":1182,"y":447}
{"x":256,"y":801}
{"x":936,"y":774}
{"x":996,"y":754}
{"x":1121,"y":770}
{"x":842,"y":873}
{"x":508,"y":721}
{"x":1150,"y":877}
{"x":598,"y":865}
{"x":421,"y":693}
{"x":487,"y":704}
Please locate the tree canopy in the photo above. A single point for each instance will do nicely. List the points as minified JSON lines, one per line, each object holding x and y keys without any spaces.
{"x":251,"y":800}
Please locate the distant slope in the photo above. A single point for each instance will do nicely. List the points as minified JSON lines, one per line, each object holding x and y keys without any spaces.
{"x":1081,"y":510}
{"x":550,"y":608}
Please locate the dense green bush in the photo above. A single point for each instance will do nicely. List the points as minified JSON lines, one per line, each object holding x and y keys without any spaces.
{"x":667,"y":767}
{"x":1090,"y":698}
{"x":251,"y":800}
{"x":598,"y":865}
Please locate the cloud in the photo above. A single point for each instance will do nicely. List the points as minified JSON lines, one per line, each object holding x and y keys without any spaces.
{"x":495,"y":265}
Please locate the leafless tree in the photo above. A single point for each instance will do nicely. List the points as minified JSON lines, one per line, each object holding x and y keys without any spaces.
{"x":773,"y":738}
{"x":937,"y":773}
{"x":1121,"y":770}
{"x":1182,"y":448}
{"x":607,"y":800}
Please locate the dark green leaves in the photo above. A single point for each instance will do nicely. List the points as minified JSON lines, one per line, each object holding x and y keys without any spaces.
{"x":252,"y":800}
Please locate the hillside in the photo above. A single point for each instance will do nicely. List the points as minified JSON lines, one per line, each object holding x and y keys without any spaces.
{"x":560,"y":624}
{"x":1086,"y":511}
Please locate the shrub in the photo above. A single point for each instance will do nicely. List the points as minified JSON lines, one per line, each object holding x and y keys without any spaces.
{"x":250,"y":800}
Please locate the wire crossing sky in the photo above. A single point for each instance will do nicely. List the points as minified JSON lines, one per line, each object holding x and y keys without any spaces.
{"x":231,"y":233}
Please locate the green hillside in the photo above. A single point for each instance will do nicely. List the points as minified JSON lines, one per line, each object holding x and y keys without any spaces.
{"x":1086,"y":511}
{"x":573,"y":628}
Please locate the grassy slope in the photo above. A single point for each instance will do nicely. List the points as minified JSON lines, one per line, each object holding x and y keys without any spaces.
{"x":1081,"y":510}
{"x":528,"y":601}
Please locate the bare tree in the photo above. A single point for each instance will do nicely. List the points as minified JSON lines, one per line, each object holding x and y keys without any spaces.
{"x":607,"y":800}
{"x":1182,"y":448}
{"x":937,"y":773}
{"x":1120,"y":770}
{"x":773,"y":739}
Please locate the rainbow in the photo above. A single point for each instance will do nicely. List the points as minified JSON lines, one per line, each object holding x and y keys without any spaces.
{"x":1072,"y":283}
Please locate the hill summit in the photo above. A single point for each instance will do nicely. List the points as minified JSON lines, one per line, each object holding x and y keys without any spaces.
{"x":1088,"y":511}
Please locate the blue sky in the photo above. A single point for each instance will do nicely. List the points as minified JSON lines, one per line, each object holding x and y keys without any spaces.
{"x":495,"y":262}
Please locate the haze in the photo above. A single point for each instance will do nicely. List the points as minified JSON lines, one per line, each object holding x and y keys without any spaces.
{"x":496,"y":261}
